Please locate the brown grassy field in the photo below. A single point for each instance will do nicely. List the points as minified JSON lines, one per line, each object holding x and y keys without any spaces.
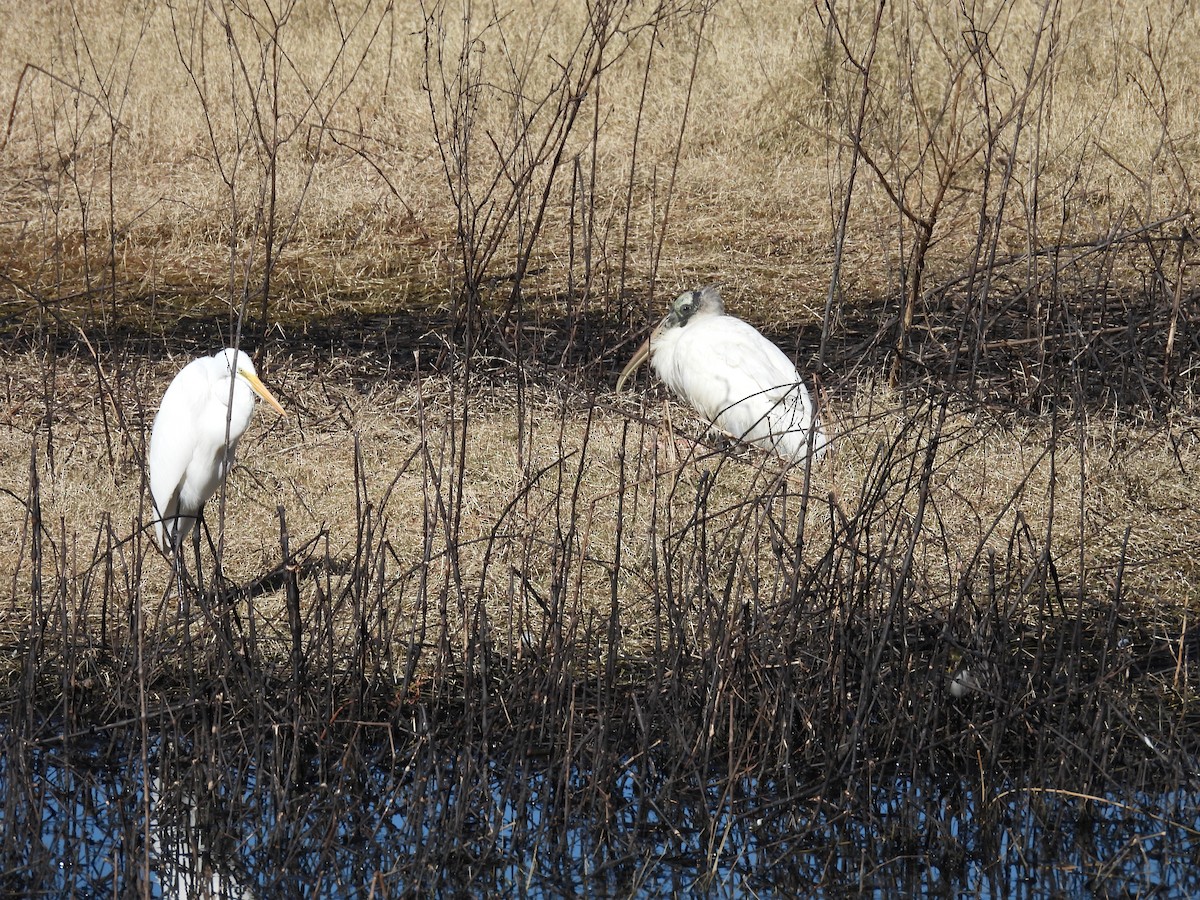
{"x":442,"y":230}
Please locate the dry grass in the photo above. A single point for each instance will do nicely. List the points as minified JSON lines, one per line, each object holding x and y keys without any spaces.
{"x":541,"y":490}
{"x":111,"y":140}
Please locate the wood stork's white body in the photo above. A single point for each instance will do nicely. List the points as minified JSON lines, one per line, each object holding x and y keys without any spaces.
{"x":195,"y":436}
{"x":733,"y":376}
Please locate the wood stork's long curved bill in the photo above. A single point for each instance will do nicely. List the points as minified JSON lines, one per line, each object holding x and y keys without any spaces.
{"x":640,"y":355}
{"x":732,"y":375}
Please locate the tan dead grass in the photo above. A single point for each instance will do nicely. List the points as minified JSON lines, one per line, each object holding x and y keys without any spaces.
{"x":523,"y":513}
{"x":764,"y":152}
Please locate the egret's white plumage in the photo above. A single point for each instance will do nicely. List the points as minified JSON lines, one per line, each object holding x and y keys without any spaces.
{"x":195,"y":436}
{"x":732,"y":375}
{"x":180,"y":850}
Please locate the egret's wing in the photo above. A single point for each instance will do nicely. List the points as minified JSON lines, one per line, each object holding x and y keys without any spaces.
{"x":173,"y":439}
{"x":760,"y":361}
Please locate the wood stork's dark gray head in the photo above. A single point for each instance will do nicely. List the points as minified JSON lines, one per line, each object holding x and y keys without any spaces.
{"x":690,"y":304}
{"x":687,"y":306}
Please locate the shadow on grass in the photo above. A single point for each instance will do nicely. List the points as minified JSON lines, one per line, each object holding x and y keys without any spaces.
{"x":1084,"y":340}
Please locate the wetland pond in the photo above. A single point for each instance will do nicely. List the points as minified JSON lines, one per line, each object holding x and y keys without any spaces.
{"x":123,"y":812}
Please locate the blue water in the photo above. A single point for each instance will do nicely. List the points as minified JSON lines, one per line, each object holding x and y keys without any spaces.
{"x":116,"y":815}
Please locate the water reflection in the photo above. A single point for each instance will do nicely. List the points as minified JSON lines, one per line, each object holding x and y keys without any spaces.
{"x":122,"y":816}
{"x":190,"y":853}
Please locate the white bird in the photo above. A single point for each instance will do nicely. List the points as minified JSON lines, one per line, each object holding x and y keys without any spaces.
{"x":733,"y":376}
{"x":185,"y":864}
{"x":203,"y":414}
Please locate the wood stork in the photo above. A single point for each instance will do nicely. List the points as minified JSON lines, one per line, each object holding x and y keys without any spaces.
{"x":733,"y":376}
{"x":203,"y":414}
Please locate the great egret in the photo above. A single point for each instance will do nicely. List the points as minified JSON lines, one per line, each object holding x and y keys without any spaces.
{"x":733,"y":376}
{"x":203,"y":414}
{"x":184,"y":860}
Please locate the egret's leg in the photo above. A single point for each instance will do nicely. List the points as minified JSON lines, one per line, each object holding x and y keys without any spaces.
{"x":177,"y":572}
{"x":171,"y":530}
{"x":196,"y":526}
{"x":183,"y":586}
{"x":218,"y":577}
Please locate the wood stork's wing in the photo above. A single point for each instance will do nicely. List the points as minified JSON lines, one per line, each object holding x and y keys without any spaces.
{"x":761,"y":368}
{"x":746,"y":385}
